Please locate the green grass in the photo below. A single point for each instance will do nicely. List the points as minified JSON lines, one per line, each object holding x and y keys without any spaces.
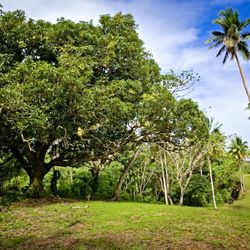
{"x":67,"y":224}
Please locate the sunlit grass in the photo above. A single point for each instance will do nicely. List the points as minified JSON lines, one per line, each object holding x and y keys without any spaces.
{"x":126,"y":225}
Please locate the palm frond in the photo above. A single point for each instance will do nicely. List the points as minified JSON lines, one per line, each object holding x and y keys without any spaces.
{"x":218,"y":33}
{"x":232,"y":56}
{"x":215,"y":45}
{"x":225,"y":57}
{"x":245,"y":23}
{"x":222,"y":23}
{"x":243,"y":49}
{"x":214,"y":39}
{"x":245,"y":35}
{"x":223,"y":48}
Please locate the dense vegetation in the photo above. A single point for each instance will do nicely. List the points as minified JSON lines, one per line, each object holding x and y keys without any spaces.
{"x":85,"y":113}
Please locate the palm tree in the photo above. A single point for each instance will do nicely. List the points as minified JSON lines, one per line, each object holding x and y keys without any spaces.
{"x":240,"y":151}
{"x":216,"y":149}
{"x":232,"y":39}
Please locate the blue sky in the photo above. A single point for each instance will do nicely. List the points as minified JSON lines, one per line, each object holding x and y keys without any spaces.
{"x":175,"y":33}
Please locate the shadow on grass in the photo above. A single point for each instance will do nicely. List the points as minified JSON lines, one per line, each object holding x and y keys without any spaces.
{"x":58,"y":240}
{"x":240,"y":207}
{"x":13,"y":242}
{"x":62,"y":240}
{"x":67,"y":239}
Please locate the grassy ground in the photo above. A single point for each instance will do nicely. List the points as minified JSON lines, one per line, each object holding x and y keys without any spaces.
{"x":67,"y":224}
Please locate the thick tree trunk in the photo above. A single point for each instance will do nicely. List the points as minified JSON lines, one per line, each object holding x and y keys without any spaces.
{"x":117,"y":192}
{"x":212,"y":182}
{"x":243,"y":78}
{"x":36,"y":183}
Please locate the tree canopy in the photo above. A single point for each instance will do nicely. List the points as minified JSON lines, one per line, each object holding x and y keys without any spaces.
{"x":77,"y":92}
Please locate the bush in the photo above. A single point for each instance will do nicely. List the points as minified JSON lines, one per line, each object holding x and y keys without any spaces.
{"x":72,"y":182}
{"x":107,"y":180}
{"x":246,"y":167}
{"x":198,"y":191}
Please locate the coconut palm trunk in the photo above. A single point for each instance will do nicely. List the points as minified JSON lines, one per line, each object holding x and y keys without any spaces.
{"x":212,"y":181}
{"x":242,"y":77}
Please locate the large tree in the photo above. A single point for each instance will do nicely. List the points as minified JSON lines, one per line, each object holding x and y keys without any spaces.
{"x":68,"y":91}
{"x":75,"y":92}
{"x":232,"y":40}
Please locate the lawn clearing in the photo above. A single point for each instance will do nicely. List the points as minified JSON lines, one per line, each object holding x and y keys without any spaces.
{"x":68,"y":224}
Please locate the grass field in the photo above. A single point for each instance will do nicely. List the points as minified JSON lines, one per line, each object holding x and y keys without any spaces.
{"x":68,"y":224}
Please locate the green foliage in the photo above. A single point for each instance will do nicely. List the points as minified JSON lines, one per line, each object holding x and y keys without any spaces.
{"x":73,"y":183}
{"x":108,"y":179}
{"x":223,"y":172}
{"x":82,"y":95}
{"x":77,"y":182}
{"x":246,"y":167}
{"x":173,"y":121}
{"x":239,"y":149}
{"x":198,"y":192}
{"x":13,"y":186}
{"x":56,"y":79}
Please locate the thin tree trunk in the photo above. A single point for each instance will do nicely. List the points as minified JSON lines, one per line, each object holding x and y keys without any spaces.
{"x":167,"y":179}
{"x":181,"y":196}
{"x":242,"y":77}
{"x":212,"y":182}
{"x":117,"y":192}
{"x":95,"y":181}
{"x":242,"y":187}
{"x":164,"y":180}
{"x":71,"y":176}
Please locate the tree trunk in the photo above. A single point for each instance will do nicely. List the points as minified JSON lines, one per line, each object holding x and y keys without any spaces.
{"x":164,"y":180}
{"x":201,"y":171}
{"x":242,"y":187}
{"x":167,"y":179}
{"x":36,"y":183}
{"x":117,"y":192}
{"x":54,"y":180}
{"x":183,"y":187}
{"x":243,"y":78}
{"x":181,"y":196}
{"x":212,"y":182}
{"x":95,"y":181}
{"x":71,"y":176}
